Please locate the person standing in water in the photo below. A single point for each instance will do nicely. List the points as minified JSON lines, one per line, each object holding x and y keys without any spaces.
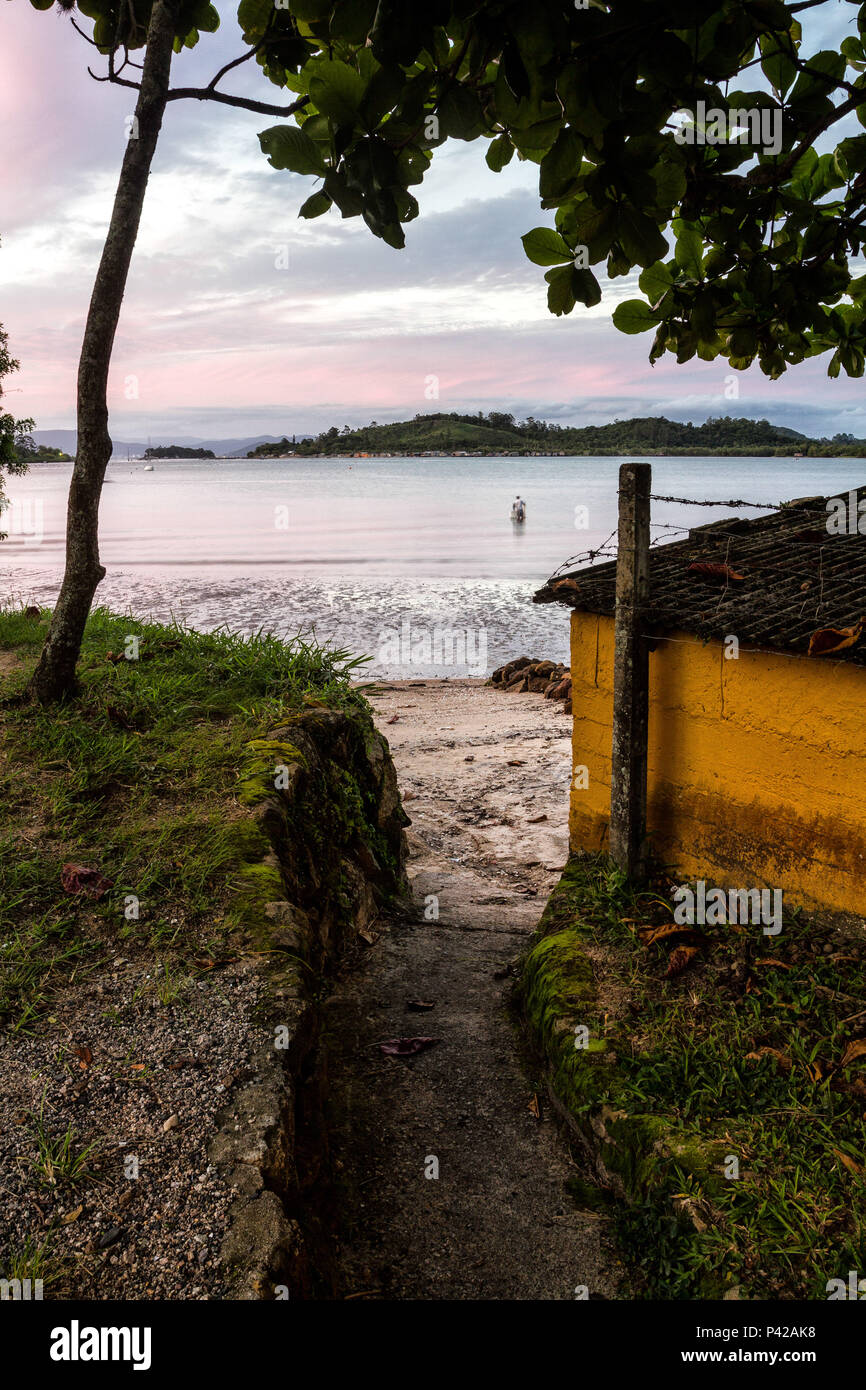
{"x":518,"y":509}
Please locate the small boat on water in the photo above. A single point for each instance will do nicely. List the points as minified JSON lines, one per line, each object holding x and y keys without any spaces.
{"x":148,"y":468}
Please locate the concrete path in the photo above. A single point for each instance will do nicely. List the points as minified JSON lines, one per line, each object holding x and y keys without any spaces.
{"x":485,"y":776}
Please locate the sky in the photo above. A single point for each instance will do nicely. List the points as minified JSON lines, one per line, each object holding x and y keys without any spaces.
{"x":241,"y":319}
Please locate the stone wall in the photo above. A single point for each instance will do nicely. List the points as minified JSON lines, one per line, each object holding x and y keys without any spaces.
{"x":323,"y":834}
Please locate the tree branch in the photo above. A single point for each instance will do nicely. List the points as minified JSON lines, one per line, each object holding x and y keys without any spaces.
{"x":245,"y":103}
{"x":236,"y":62}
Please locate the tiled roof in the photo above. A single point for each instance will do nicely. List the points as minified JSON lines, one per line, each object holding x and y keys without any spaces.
{"x":797,"y":578}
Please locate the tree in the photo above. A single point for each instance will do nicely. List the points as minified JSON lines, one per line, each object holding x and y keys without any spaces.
{"x":13,"y":433}
{"x":162,"y":27}
{"x":627,"y":110}
{"x":625,"y":106}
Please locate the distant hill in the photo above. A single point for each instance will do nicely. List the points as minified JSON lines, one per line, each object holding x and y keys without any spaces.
{"x":67,"y":440}
{"x":498,"y":434}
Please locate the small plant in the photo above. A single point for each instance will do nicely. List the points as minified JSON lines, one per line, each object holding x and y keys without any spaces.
{"x":31,"y":1261}
{"x":59,"y":1161}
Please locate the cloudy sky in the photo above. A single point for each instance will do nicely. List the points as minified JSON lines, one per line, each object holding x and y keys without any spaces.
{"x":220,"y":338}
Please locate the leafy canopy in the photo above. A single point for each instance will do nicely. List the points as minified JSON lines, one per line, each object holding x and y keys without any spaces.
{"x":743,"y":246}
{"x":12,"y":432}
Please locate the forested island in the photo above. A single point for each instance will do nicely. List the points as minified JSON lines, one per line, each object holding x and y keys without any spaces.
{"x":177,"y":451}
{"x":500,"y":434}
{"x":27,"y":451}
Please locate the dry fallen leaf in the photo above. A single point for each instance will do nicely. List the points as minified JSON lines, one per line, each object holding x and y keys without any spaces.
{"x":850,"y":1163}
{"x":779,"y":1057}
{"x":84,"y":1055}
{"x":771,"y":960}
{"x":853,"y":1051}
{"x":835,"y":639}
{"x":680,"y":959}
{"x":405,"y":1047}
{"x":711,"y":569}
{"x":534,"y":1108}
{"x":78,"y":878}
{"x":674,"y":929}
{"x":71,"y":1216}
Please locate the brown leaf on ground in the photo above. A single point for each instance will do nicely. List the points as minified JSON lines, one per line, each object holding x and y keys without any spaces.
{"x":534,"y":1108}
{"x":680,"y":960}
{"x":78,"y":878}
{"x":853,"y":1051}
{"x":670,"y":930}
{"x":84,"y":1055}
{"x":71,"y":1216}
{"x":420,"y":1006}
{"x":712,"y":569}
{"x":835,"y":639}
{"x":771,"y":960}
{"x":779,"y":1058}
{"x":850,"y":1163}
{"x":395,"y":719}
{"x":405,"y":1047}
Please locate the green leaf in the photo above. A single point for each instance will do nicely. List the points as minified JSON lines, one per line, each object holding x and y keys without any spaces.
{"x":460,"y":114}
{"x":640,"y":237}
{"x":288,"y":147}
{"x":689,"y":249}
{"x":315,"y":205}
{"x":585,"y":287}
{"x":337,"y":90}
{"x":560,"y":294}
{"x":656,"y":281}
{"x":560,"y":167}
{"x":544,"y":246}
{"x":499,"y":152}
{"x":776,"y":63}
{"x":634,"y":316}
{"x":310,"y":10}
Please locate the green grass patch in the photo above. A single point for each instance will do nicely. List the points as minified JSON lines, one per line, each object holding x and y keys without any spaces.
{"x":745,"y":1054}
{"x":138,"y":778}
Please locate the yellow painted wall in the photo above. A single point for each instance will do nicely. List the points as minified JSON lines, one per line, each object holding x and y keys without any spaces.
{"x":757,"y":766}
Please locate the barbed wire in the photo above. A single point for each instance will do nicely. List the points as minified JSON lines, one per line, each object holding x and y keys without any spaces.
{"x":731,"y":502}
{"x":606,"y":551}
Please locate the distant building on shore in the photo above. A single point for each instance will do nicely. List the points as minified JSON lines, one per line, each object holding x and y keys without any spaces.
{"x":756,"y":754}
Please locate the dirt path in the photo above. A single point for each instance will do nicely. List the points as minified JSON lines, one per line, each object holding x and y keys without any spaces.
{"x":485,"y":777}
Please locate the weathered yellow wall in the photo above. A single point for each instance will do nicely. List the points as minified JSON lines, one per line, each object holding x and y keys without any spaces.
{"x":757,"y":766}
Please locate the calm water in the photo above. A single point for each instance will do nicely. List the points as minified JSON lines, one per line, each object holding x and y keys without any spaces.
{"x":379,"y":556}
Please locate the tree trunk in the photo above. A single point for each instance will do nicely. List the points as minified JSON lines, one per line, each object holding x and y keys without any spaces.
{"x":54,"y":677}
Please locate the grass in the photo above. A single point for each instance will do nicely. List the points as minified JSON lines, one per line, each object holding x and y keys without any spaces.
{"x":59,"y":1160}
{"x":138,"y":778}
{"x":745,"y":1055}
{"x":31,"y":1260}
